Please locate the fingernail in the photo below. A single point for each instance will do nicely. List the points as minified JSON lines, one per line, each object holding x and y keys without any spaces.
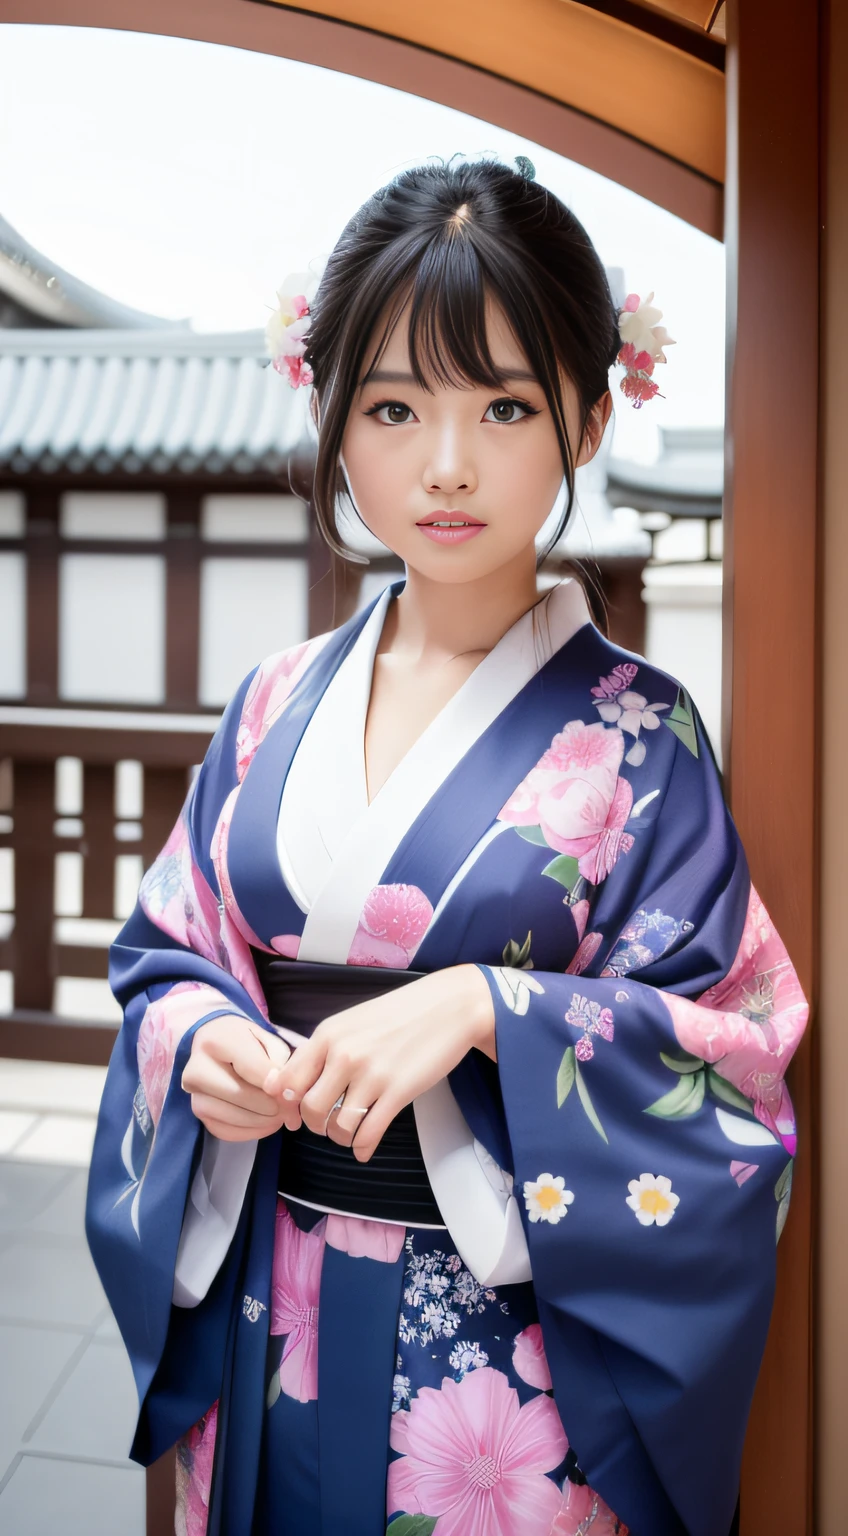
{"x":289,"y":1093}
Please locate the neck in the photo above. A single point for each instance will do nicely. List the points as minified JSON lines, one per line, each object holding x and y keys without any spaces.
{"x":437,"y":620}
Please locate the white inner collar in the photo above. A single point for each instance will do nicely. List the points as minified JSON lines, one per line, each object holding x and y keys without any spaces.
{"x":332,"y":845}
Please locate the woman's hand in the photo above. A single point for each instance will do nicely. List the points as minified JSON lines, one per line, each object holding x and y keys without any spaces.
{"x":382,"y":1054}
{"x":231,"y":1061}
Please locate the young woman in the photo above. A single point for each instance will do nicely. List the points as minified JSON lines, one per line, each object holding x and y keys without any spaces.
{"x":445,"y":1142}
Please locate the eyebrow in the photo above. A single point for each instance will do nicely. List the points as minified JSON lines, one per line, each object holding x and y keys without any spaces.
{"x":390,"y":376}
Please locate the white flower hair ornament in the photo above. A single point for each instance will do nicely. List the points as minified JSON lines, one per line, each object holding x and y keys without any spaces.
{"x":642,"y":342}
{"x":287,"y":331}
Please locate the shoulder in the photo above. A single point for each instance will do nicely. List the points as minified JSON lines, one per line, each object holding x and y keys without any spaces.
{"x":266,"y":691}
{"x":621,"y":671}
{"x":651,"y":707}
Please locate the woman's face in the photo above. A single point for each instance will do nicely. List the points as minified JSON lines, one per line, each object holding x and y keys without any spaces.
{"x":459,"y":481}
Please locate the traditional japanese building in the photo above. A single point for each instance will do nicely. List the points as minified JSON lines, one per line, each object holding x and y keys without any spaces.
{"x":748,"y":142}
{"x":152,"y":548}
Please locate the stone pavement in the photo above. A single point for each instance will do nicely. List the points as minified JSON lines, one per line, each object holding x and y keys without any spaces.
{"x":67,"y":1399}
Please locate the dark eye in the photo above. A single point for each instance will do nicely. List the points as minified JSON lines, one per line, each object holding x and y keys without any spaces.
{"x":507,"y":411}
{"x":392,"y":413}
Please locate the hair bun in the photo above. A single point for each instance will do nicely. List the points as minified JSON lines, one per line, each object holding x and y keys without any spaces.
{"x":525,"y":167}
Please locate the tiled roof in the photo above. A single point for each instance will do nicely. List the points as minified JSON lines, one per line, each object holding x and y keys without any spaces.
{"x":35,"y":291}
{"x":143,"y":401}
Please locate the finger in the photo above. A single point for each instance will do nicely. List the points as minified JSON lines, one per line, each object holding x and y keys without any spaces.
{"x":223,"y":1132}
{"x":279,"y":1054}
{"x":344,"y":1123}
{"x":373,"y":1127}
{"x":317,"y":1104}
{"x":291,"y":1117}
{"x":203,"y":1074}
{"x":247,"y":1052}
{"x":303,"y":1070}
{"x":206,"y":1105}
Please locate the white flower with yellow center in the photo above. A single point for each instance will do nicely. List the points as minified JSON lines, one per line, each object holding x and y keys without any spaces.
{"x":652,"y":1200}
{"x":547,"y":1198}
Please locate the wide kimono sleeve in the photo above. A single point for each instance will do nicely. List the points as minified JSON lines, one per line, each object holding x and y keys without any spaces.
{"x":652,"y":1138}
{"x":176,"y":964}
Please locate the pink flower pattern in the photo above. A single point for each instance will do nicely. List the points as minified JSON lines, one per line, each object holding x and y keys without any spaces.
{"x":585,"y":954}
{"x":394,"y":920}
{"x":575,"y":795}
{"x":266,"y":696}
{"x":742,"y":1172}
{"x":580,"y":914}
{"x":156,"y":1046}
{"x":584,"y":1513}
{"x":195,"y":1455}
{"x":232,"y":918}
{"x":588,"y":1015}
{"x":618,"y":681}
{"x":529,"y":1360}
{"x":286,"y":944}
{"x":360,"y":1239}
{"x":295,"y":1289}
{"x":617,"y":704}
{"x":165,"y":1021}
{"x":177,"y":898}
{"x":476,"y":1460}
{"x":750,"y":1022}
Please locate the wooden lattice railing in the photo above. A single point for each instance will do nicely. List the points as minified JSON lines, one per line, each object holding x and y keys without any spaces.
{"x":31,"y":743}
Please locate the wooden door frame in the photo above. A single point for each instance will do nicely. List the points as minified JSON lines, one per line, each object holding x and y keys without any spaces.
{"x":264,"y":26}
{"x":771,"y":632}
{"x":772,"y":507}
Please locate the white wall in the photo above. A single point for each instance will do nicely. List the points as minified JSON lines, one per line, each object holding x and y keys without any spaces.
{"x":112,"y":628}
{"x":248,"y":610}
{"x":12,"y":625}
{"x":683,"y":633}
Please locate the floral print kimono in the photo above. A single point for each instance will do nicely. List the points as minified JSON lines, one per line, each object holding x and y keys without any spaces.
{"x":575,"y":1347}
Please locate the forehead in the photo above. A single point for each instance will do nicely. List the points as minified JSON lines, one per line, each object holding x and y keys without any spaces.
{"x":505,"y":349}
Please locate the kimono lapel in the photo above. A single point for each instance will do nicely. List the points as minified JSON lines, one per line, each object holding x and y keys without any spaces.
{"x":326,"y":793}
{"x":252,"y":860}
{"x":457,"y":823}
{"x":419,"y":786}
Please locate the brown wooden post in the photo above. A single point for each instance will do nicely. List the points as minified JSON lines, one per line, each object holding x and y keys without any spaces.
{"x":164,"y":792}
{"x":41,"y":545}
{"x":182,"y":604}
{"x":32,"y":943}
{"x":98,"y":847}
{"x":772,"y":516}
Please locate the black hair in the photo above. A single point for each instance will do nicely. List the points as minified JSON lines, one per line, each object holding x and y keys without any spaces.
{"x":444,"y":238}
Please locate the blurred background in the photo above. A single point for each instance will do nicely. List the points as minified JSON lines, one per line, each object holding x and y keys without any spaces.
{"x":153,"y":548}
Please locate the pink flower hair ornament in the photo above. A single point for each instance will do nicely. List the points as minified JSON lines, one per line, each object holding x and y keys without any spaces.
{"x":642,"y":342}
{"x":287,"y":331}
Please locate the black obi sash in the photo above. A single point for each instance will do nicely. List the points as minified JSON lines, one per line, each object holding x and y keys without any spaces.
{"x":393,"y":1185}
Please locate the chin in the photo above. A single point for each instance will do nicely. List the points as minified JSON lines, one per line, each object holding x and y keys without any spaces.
{"x":458,"y":566}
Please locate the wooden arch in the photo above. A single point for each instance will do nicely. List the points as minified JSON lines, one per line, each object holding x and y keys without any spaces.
{"x":640,"y":94}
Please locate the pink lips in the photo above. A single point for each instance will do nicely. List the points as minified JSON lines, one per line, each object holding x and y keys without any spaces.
{"x":450,"y":535}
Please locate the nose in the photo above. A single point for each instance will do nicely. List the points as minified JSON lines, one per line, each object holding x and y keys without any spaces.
{"x":449,"y":465}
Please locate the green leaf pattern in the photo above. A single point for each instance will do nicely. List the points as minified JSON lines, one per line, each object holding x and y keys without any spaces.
{"x":566,"y":1075}
{"x":685,"y":1098}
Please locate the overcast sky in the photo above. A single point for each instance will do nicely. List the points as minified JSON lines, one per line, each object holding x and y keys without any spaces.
{"x":188,"y":179}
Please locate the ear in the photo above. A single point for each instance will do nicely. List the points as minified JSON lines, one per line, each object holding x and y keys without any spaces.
{"x":596,"y":425}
